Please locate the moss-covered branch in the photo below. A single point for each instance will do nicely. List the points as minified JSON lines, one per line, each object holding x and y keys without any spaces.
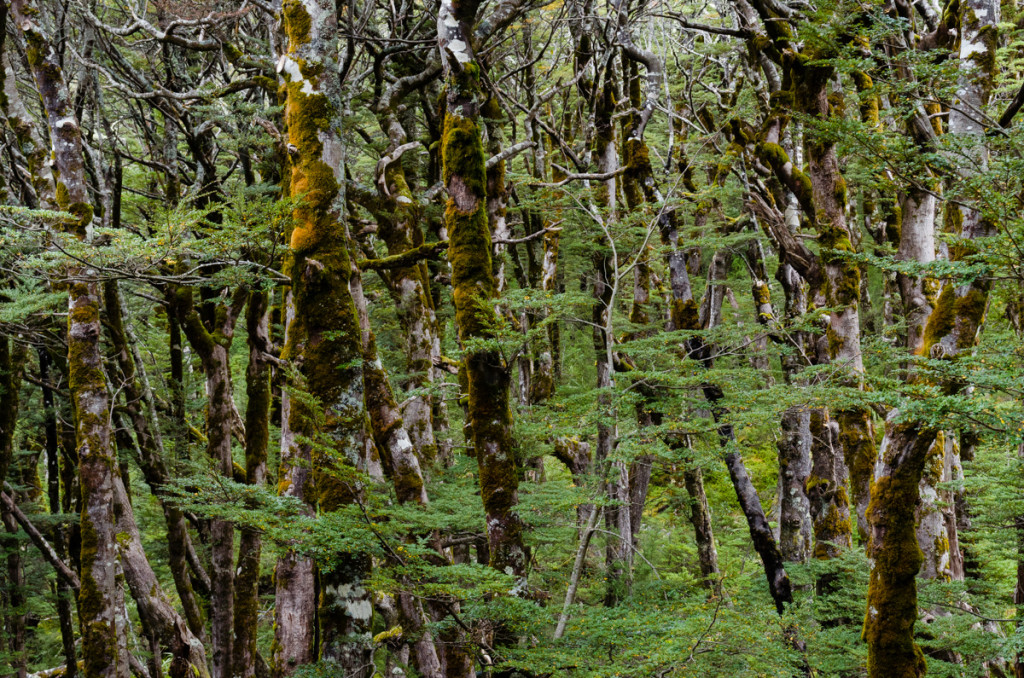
{"x":404,"y":259}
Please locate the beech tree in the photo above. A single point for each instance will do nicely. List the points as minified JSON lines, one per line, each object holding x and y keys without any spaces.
{"x":512,"y":338}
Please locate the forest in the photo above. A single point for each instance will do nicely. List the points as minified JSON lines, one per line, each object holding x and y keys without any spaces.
{"x":511,"y":338}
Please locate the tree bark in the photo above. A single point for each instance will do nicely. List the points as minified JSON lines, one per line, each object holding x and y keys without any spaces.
{"x":101,"y":602}
{"x":210,"y":331}
{"x":151,"y":452}
{"x":474,"y":286}
{"x":257,"y":434}
{"x":794,"y":446}
{"x":324,"y":332}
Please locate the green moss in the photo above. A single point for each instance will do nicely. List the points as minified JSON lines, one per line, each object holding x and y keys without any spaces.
{"x":638,"y":169}
{"x":462,"y":155}
{"x":232,"y":53}
{"x":934,"y":466}
{"x":953,"y":313}
{"x":760,"y":42}
{"x":82,"y":211}
{"x":62,"y":196}
{"x":685,"y":314}
{"x":940,"y":322}
{"x":971,"y":314}
{"x":491,"y":109}
{"x":892,"y":592}
{"x":297,"y":23}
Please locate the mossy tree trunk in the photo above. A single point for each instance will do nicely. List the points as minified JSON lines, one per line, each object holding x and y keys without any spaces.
{"x":12,"y":364}
{"x":41,"y":192}
{"x":184,"y":640}
{"x":402,"y":467}
{"x":892,"y":592}
{"x":210,"y":329}
{"x":257,"y":438}
{"x":323,"y":332}
{"x":952,"y":328}
{"x":399,"y":227}
{"x":101,"y":601}
{"x":546,"y":363}
{"x":474,"y":286}
{"x":822,"y":196}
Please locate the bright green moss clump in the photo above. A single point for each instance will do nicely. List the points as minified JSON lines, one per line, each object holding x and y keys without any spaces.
{"x":297,"y":23}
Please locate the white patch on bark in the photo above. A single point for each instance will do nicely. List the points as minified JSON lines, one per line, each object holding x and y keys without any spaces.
{"x":353,"y":599}
{"x":460,"y":50}
{"x":288,"y":66}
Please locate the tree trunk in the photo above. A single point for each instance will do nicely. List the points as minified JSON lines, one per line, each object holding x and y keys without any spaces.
{"x":15,"y":589}
{"x":952,"y":328}
{"x":101,"y":602}
{"x":795,"y":527}
{"x":151,"y":451}
{"x":295,"y":573}
{"x":700,"y":518}
{"x":402,"y":466}
{"x":211,"y":338}
{"x":474,"y":285}
{"x":257,"y":433}
{"x":159,"y":618}
{"x":892,"y":546}
{"x":826,"y":490}
{"x":324,"y":332}
{"x":12,"y":363}
{"x":58,"y":535}
{"x":409,"y":285}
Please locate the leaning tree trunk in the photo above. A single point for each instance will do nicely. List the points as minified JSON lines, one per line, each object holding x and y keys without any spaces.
{"x":398,"y":457}
{"x":151,"y":451}
{"x":822,"y":195}
{"x":614,"y":475}
{"x":952,"y":328}
{"x":474,"y":286}
{"x":101,"y":601}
